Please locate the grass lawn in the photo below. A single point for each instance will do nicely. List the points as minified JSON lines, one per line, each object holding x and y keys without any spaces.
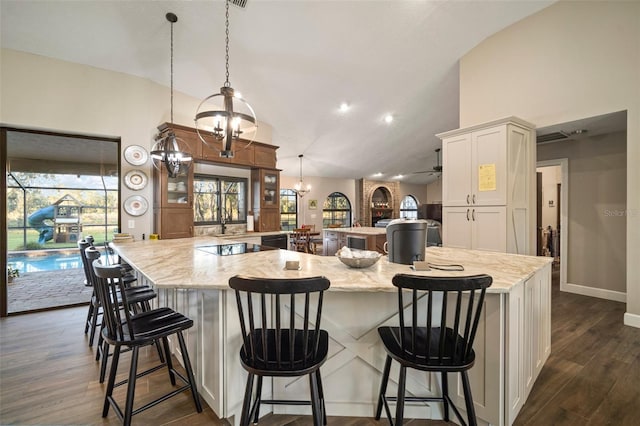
{"x":15,"y":241}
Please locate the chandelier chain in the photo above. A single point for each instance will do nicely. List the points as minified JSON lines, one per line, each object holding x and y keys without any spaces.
{"x":226,"y":83}
{"x":171,"y":72}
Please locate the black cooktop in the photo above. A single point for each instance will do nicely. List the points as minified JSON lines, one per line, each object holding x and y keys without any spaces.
{"x":234,"y":248}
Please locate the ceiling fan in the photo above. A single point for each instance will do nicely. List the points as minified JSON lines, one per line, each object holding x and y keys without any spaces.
{"x":436,"y":170}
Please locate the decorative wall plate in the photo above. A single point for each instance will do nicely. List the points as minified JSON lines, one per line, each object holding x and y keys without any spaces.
{"x":136,"y":155}
{"x":135,"y":179}
{"x":136,"y":205}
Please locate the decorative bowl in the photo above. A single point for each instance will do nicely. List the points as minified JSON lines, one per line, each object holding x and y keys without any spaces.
{"x":359,"y":262}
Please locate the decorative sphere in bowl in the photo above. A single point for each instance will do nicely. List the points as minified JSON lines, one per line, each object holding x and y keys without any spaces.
{"x":357,"y":258}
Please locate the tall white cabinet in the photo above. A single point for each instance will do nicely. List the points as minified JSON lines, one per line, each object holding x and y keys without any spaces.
{"x":488,"y":187}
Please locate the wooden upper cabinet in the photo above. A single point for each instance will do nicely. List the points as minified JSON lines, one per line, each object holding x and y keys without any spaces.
{"x":254,"y":154}
{"x":265,"y":156}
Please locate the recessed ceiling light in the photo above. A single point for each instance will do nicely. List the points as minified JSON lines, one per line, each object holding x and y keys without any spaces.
{"x":388,"y":118}
{"x":398,"y":176}
{"x":344,"y":107}
{"x":377,"y":174}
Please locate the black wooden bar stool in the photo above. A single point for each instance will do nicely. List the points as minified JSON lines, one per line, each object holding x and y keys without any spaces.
{"x":138,"y":298}
{"x":124,"y":329}
{"x":442,"y":344}
{"x":274,"y":344}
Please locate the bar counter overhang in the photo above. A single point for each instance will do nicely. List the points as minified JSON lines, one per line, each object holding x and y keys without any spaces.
{"x":513,"y":342}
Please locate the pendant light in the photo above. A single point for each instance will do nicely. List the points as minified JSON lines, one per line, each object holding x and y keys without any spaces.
{"x":169,"y":150}
{"x":299,"y":187}
{"x":219,"y":120}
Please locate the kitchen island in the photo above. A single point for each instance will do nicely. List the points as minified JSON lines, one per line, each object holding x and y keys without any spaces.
{"x":512,"y":344}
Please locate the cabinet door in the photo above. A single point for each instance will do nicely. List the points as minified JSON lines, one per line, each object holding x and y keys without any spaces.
{"x":330,"y":243}
{"x":489,"y":167}
{"x":269,"y":220}
{"x":456,"y":166}
{"x":173,"y":223}
{"x":264,"y":156}
{"x":176,"y":191}
{"x":456,"y":227}
{"x":488,"y":228}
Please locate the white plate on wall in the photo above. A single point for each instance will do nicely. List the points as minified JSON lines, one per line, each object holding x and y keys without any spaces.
{"x":136,"y":205}
{"x":135,"y":179}
{"x":136,"y":155}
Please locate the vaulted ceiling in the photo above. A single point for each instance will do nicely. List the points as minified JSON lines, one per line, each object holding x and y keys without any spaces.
{"x":295,"y":62}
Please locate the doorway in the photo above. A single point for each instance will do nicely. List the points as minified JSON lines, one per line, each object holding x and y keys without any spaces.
{"x":552,"y":217}
{"x":58,"y":188}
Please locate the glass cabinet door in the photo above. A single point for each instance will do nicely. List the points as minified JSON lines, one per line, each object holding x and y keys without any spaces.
{"x":178,"y":188}
{"x":270,"y":189}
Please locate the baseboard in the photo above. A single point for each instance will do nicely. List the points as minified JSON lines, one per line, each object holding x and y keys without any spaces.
{"x":601,"y":293}
{"x":632,"y":320}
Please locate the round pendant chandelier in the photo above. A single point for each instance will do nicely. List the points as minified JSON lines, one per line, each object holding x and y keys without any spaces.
{"x":224,"y":117}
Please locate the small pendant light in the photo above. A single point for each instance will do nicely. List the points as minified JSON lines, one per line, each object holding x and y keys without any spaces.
{"x":169,"y":150}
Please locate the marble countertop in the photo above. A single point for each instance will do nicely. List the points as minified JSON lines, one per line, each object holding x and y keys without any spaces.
{"x":362,"y":230}
{"x":179,"y":263}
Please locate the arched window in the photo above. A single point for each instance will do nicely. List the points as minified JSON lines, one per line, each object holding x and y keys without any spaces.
{"x":409,"y":207}
{"x":288,"y":209}
{"x":336,"y":211}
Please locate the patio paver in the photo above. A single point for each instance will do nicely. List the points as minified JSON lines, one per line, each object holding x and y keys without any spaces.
{"x":38,"y":290}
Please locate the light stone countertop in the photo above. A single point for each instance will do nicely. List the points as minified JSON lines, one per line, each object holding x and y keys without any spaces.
{"x":363,"y":230}
{"x":179,"y":264}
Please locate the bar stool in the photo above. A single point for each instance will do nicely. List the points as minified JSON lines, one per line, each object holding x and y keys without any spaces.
{"x":275,"y":347}
{"x":443,"y":344}
{"x":135,"y":331}
{"x":137,"y":301}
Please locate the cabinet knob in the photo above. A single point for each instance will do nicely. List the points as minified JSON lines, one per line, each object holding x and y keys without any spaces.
{"x":467,"y":198}
{"x":467,"y":215}
{"x":473,"y":199}
{"x":473,"y":215}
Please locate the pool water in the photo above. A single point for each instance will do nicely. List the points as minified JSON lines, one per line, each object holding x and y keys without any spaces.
{"x":45,"y":262}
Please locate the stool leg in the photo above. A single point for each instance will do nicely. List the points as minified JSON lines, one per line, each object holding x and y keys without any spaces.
{"x":445,"y":395}
{"x":383,"y":386}
{"x":189,"y":370}
{"x":246,"y":404}
{"x":256,"y":415}
{"x":103,"y":363}
{"x":111,"y":382}
{"x":131,"y":387}
{"x":169,"y":362}
{"x":88,"y":321}
{"x":468,"y":399}
{"x":321,"y":392}
{"x":315,"y":400}
{"x":402,"y":380}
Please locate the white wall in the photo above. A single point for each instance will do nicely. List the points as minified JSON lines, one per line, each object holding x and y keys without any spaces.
{"x":49,"y":94}
{"x":418,"y":191}
{"x":569,"y":61}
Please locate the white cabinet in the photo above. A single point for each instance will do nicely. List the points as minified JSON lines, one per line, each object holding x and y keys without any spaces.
{"x":480,"y":228}
{"x":484,"y":167}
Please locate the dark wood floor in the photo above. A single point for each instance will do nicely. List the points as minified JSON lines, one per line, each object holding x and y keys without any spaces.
{"x":48,"y":374}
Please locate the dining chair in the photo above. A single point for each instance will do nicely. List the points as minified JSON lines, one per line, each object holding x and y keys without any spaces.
{"x":300,"y":239}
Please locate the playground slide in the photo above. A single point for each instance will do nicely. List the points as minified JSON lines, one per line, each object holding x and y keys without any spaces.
{"x":36,"y":220}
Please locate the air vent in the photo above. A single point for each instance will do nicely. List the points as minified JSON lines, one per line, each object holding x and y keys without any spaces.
{"x":551,"y":137}
{"x":240,"y":3}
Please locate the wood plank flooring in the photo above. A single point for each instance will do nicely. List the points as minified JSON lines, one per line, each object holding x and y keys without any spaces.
{"x":48,"y":374}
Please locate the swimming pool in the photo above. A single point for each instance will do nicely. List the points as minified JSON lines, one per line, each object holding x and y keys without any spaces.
{"x":38,"y":261}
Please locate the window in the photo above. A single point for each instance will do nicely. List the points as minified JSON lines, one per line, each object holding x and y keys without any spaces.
{"x":336,"y":210}
{"x":409,"y":207}
{"x":288,"y":209}
{"x":218,"y":198}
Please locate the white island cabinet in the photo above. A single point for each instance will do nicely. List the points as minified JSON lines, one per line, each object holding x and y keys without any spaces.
{"x":512,"y":344}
